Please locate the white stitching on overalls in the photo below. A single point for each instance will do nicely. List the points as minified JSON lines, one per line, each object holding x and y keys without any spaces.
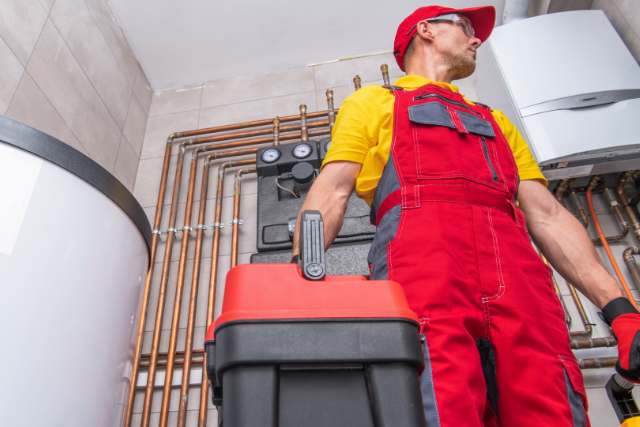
{"x":496,"y":250}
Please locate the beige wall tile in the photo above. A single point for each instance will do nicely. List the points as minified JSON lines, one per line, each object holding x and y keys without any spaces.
{"x":262,"y":86}
{"x":256,"y":110}
{"x":160,"y":127}
{"x":617,"y":20}
{"x":21,"y":22}
{"x":627,"y":7}
{"x":341,"y":73}
{"x":142,"y":90}
{"x":115,"y":38}
{"x":176,"y":100}
{"x":633,"y":43}
{"x":47,"y":4}
{"x":126,"y":164}
{"x":73,"y":20}
{"x":634,"y":21}
{"x":556,"y":6}
{"x":31,"y":107}
{"x":10,"y":74}
{"x":148,"y":181}
{"x":61,"y":79}
{"x":135,"y":125}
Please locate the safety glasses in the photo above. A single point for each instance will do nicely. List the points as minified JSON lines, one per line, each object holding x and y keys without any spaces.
{"x":459,"y":20}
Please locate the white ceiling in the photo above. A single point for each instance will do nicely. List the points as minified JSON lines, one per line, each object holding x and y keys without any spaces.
{"x":182,"y":42}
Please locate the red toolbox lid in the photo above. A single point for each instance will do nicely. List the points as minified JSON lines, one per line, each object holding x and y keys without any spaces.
{"x":278,"y":291}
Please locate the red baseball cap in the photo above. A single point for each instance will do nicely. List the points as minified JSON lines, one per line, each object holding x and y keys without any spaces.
{"x":482,"y":18}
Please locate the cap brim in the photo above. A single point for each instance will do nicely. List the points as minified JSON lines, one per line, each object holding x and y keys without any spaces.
{"x":482,"y":18}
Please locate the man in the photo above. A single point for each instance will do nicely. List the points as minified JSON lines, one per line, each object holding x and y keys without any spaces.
{"x":442,"y":175}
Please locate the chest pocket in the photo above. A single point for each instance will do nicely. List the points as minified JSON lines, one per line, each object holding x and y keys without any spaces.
{"x":450,"y":143}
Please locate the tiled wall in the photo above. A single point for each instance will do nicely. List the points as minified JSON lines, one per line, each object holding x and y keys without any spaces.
{"x":68,"y":71}
{"x":625,"y":17}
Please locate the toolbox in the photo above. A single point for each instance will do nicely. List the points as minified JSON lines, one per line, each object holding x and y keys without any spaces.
{"x":296,"y":348}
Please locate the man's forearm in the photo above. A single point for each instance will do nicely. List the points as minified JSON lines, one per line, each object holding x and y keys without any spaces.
{"x":330,"y":195}
{"x":567,"y":246}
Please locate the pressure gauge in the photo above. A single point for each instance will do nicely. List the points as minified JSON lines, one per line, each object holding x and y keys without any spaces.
{"x":301,"y":151}
{"x":270,"y":155}
{"x":327,"y":145}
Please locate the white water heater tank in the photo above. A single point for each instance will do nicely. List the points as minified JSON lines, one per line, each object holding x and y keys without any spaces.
{"x":572,"y":86}
{"x":74,"y":251}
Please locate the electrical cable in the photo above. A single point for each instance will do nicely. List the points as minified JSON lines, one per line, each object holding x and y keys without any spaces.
{"x":286,"y":189}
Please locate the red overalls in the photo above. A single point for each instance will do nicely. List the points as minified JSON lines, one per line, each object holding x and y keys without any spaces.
{"x":496,"y":343}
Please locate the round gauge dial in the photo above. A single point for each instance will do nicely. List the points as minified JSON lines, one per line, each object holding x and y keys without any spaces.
{"x":327,"y":145}
{"x":271,"y":155}
{"x":301,"y":151}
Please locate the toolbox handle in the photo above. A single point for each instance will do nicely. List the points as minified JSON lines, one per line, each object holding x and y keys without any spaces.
{"x":311,"y":245}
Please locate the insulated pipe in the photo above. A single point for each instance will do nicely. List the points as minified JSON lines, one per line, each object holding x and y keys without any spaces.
{"x":624,"y":178}
{"x":592,"y":183}
{"x":611,"y":198}
{"x":603,"y":362}
{"x":184,"y":391}
{"x":213,"y":278}
{"x":332,"y":113}
{"x":630,"y":261}
{"x":236,"y":214}
{"x":135,"y":368}
{"x":356,"y":82}
{"x":582,"y":210}
{"x":385,"y":74}
{"x":581,"y":343}
{"x":304,"y":132}
{"x":276,"y":131}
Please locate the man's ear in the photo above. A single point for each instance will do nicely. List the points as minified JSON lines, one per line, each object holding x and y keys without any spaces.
{"x":425,"y":31}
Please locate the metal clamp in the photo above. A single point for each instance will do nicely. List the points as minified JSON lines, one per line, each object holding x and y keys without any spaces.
{"x":235,"y":221}
{"x":202,"y":226}
{"x":217,"y":224}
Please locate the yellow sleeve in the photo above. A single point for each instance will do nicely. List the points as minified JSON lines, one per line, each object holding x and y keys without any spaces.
{"x":350,"y":139}
{"x":527,"y":166}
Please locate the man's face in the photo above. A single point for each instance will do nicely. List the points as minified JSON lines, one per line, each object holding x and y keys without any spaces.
{"x":454,"y":40}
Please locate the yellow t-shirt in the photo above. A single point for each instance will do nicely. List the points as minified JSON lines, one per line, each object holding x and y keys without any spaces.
{"x":364,"y":127}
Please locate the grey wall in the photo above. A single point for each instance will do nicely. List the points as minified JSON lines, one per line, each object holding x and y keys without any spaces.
{"x":68,"y":71}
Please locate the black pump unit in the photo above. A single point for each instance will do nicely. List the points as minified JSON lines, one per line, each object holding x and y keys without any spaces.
{"x":284,"y":178}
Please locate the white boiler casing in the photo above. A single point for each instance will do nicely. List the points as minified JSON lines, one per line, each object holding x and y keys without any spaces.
{"x":74,"y":254}
{"x":570,"y":84}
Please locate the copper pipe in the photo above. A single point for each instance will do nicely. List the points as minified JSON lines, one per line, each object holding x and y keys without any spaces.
{"x":385,"y":74}
{"x":581,"y":343}
{"x":265,"y":131}
{"x":173,"y":338}
{"x":610,"y":196}
{"x":630,"y":261}
{"x":592,"y":183}
{"x":151,"y":378}
{"x":276,"y":131}
{"x":357,"y":82}
{"x":178,"y":363}
{"x":624,"y":178}
{"x":332,"y":113}
{"x":264,"y":122}
{"x":178,"y":353}
{"x":236,"y":214}
{"x":184,"y":392}
{"x":604,"y":362}
{"x":266,"y":140}
{"x":147,"y":284}
{"x":304,"y":132}
{"x":213,"y":279}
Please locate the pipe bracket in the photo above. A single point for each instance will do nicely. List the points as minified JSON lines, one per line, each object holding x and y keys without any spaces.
{"x":235,"y":221}
{"x":217,"y":224}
